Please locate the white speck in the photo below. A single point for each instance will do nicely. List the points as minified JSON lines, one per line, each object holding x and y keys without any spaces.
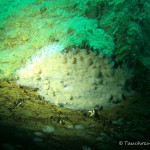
{"x":48,"y":129}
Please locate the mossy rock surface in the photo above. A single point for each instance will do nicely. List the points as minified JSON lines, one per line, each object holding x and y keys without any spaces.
{"x":23,"y":113}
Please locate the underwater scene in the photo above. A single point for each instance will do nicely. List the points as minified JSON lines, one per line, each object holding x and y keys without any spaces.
{"x":74,"y":74}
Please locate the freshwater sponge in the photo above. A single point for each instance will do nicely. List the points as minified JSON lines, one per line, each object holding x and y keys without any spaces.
{"x":77,"y":79}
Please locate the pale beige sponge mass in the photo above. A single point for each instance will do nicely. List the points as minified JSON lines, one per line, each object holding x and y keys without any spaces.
{"x":78,"y":79}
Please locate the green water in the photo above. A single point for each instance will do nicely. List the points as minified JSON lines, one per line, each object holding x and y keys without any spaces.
{"x":118,"y":30}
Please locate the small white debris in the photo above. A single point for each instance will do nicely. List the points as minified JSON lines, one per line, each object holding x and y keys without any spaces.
{"x":38,"y":134}
{"x":79,"y":127}
{"x":91,"y":112}
{"x":86,"y":148}
{"x":70,"y":126}
{"x":48,"y":129}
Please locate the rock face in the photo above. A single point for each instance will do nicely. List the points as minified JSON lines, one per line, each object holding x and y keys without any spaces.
{"x":77,"y":79}
{"x":113,"y":27}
